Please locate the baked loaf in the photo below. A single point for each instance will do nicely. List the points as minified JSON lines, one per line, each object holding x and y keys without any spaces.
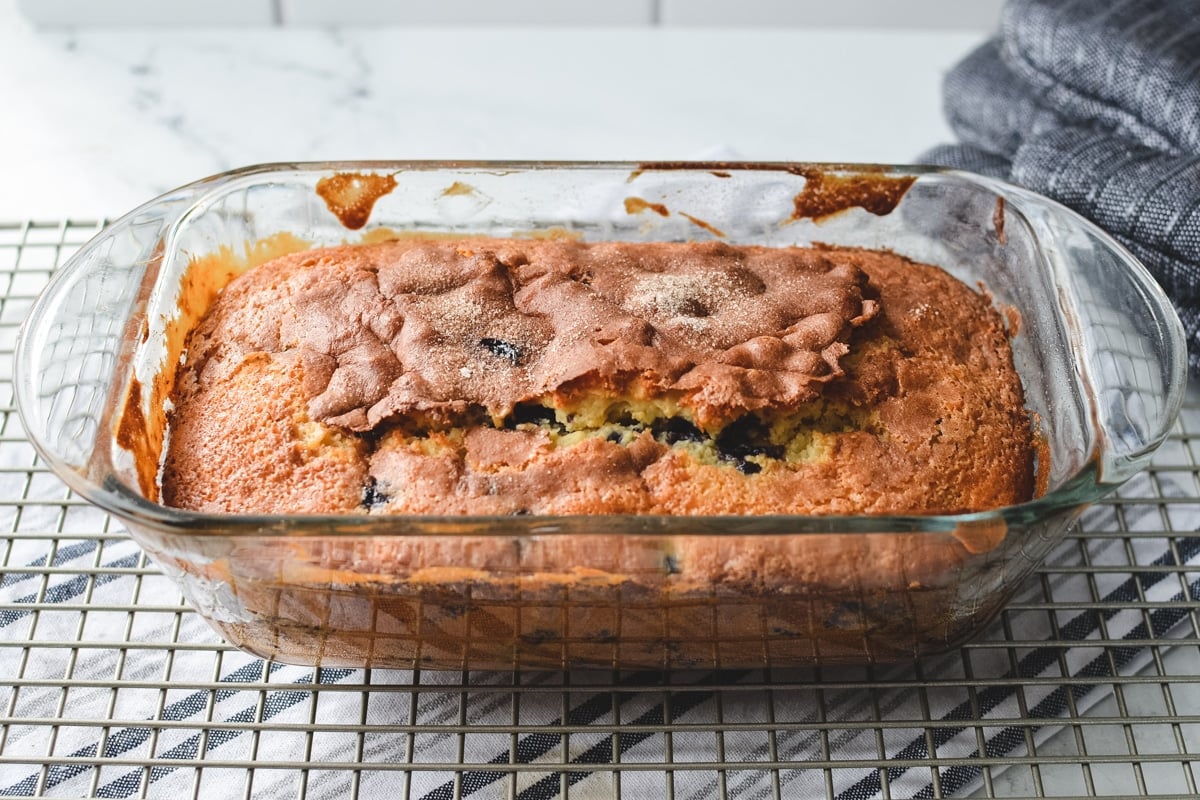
{"x":492,"y":377}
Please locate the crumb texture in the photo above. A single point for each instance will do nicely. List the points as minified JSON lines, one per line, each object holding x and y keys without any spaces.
{"x":542,"y":377}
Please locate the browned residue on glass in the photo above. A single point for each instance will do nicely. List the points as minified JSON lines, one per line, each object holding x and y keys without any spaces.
{"x":376,"y":235}
{"x":352,"y":195}
{"x":1041,"y":449}
{"x":636,"y":205}
{"x":719,"y":173}
{"x":1013,"y":318}
{"x":998,"y":220}
{"x":134,"y":435}
{"x":828,"y":188}
{"x":714,"y":230}
{"x":981,"y":536}
{"x":458,"y":189}
{"x":557,"y":233}
{"x":828,"y":193}
{"x":716,"y":166}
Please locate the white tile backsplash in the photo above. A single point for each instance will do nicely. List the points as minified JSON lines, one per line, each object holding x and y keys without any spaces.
{"x":981,"y":15}
{"x":121,"y":13}
{"x":467,"y":12}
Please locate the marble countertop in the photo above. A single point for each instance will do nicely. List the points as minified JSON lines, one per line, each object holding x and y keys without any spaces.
{"x":98,"y":121}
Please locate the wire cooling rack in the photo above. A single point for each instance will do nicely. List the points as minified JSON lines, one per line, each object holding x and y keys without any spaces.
{"x":110,"y":686}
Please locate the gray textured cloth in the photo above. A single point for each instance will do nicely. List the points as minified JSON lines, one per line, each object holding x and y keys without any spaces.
{"x":1095,"y":103}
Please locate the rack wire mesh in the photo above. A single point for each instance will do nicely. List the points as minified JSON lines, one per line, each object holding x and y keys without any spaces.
{"x":1088,"y":684}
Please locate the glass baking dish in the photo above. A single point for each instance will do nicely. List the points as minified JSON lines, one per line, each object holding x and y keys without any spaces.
{"x":1099,"y":349}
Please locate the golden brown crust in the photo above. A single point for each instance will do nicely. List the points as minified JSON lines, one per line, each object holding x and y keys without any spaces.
{"x":301,"y":383}
{"x":430,"y":326}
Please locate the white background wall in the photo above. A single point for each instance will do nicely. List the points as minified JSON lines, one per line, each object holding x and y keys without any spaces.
{"x":977,"y":15}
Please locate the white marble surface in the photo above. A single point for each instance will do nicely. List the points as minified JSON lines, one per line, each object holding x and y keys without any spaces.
{"x":98,"y":121}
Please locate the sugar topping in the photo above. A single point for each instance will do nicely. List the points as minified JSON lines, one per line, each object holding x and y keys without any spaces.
{"x":439,"y":327}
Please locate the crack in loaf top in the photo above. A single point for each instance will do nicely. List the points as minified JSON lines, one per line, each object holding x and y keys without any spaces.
{"x":439,"y":327}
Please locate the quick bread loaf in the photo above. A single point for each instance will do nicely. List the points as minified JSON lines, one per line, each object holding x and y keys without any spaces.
{"x":494,"y":377}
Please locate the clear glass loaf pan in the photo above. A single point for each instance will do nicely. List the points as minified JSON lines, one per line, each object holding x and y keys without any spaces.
{"x":1100,"y":352}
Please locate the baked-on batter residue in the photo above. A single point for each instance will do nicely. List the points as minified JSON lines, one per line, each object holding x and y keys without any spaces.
{"x":636,"y":205}
{"x":351,"y":195}
{"x":998,"y":220}
{"x":826,"y":193}
{"x":714,"y":230}
{"x":131,"y":436}
{"x":458,"y":189}
{"x":828,"y":188}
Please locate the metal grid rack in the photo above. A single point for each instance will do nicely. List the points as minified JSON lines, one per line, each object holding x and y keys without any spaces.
{"x":1087,"y":685}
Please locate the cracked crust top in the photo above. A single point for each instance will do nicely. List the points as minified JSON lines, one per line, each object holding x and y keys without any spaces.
{"x":499,"y":376}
